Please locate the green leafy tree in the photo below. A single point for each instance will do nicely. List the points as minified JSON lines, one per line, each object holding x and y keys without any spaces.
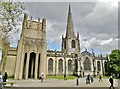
{"x":114,"y":63}
{"x":10,"y":17}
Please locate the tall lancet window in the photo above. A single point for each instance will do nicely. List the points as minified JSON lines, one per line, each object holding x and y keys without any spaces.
{"x":69,"y":65}
{"x":50,"y":65}
{"x":73,"y":43}
{"x":64,"y":44}
{"x":60,"y":66}
{"x":87,"y":64}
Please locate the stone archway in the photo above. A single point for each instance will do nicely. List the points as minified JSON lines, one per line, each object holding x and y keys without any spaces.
{"x":24,"y":66}
{"x":31,"y":68}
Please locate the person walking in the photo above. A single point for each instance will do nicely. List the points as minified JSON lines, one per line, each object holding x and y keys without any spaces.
{"x":42,"y":77}
{"x":65,"y":77}
{"x":100,"y":78}
{"x":88,"y":79}
{"x":5,"y":77}
{"x":111,"y":82}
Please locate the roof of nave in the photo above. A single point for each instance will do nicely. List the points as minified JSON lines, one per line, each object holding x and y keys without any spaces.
{"x":86,"y":53}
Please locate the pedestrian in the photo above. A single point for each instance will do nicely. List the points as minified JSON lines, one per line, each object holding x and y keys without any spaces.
{"x":111,"y":82}
{"x":100,"y":78}
{"x":1,"y":80}
{"x":83,"y":74}
{"x":5,"y":77}
{"x":92,"y":79}
{"x":65,"y":77}
{"x":88,"y":79}
{"x":42,"y":77}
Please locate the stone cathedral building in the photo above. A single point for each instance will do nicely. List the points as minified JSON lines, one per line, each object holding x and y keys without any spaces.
{"x":31,"y":58}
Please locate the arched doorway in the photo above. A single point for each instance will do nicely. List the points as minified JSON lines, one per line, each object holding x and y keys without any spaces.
{"x":105,"y":66}
{"x":31,"y":68}
{"x":98,"y":66}
{"x":38,"y":72}
{"x":25,"y":58}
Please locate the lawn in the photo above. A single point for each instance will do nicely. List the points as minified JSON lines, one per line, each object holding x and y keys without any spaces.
{"x":61,"y":77}
{"x":105,"y":76}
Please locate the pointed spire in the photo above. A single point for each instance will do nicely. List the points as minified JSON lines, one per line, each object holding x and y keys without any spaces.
{"x":77,"y":35}
{"x":62,"y":36}
{"x":70,"y":28}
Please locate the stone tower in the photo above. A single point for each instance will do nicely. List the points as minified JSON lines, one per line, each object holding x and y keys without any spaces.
{"x":71,"y":43}
{"x":31,"y":51}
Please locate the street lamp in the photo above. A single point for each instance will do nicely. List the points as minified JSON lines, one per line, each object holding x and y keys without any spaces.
{"x":65,"y":64}
{"x":80,"y":67}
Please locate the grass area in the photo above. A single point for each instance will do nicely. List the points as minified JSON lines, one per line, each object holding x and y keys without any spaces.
{"x":10,"y":77}
{"x":61,"y":77}
{"x":105,"y":76}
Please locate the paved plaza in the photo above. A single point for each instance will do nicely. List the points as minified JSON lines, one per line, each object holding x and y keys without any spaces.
{"x":62,"y":83}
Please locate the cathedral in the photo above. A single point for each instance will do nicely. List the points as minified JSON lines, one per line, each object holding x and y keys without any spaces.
{"x":31,"y":58}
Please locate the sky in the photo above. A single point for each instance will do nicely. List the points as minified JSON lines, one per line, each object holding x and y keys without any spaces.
{"x":96,"y":22}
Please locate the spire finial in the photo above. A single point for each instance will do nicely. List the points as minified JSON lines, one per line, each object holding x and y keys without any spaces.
{"x":70,"y":28}
{"x":69,"y":10}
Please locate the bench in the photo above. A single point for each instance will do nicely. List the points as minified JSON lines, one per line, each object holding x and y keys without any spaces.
{"x":11,"y":83}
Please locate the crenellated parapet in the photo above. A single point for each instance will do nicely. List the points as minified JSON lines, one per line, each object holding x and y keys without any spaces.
{"x":36,"y":25}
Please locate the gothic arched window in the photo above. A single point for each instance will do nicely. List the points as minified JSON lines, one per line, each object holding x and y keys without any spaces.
{"x":98,"y":66}
{"x":50,"y":65}
{"x":87,"y":64}
{"x":73,"y":43}
{"x":60,"y":66}
{"x":69,"y":65}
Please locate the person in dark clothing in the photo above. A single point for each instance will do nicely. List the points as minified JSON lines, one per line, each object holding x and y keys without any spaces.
{"x":88,"y":79}
{"x":111,"y":82}
{"x":65,"y":77}
{"x":42,"y":77}
{"x":100,"y":78}
{"x":83,"y":74}
{"x":5,"y":77}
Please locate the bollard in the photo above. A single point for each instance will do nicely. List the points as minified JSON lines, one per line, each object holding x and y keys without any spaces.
{"x":77,"y":81}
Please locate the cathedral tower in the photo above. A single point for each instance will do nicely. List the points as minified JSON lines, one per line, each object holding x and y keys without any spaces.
{"x":71,"y":43}
{"x":31,"y":51}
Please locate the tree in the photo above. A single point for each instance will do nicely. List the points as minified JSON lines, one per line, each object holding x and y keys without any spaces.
{"x":10,"y":17}
{"x":114,"y":62}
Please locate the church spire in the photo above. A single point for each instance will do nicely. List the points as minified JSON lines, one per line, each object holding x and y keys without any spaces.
{"x":70,"y":28}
